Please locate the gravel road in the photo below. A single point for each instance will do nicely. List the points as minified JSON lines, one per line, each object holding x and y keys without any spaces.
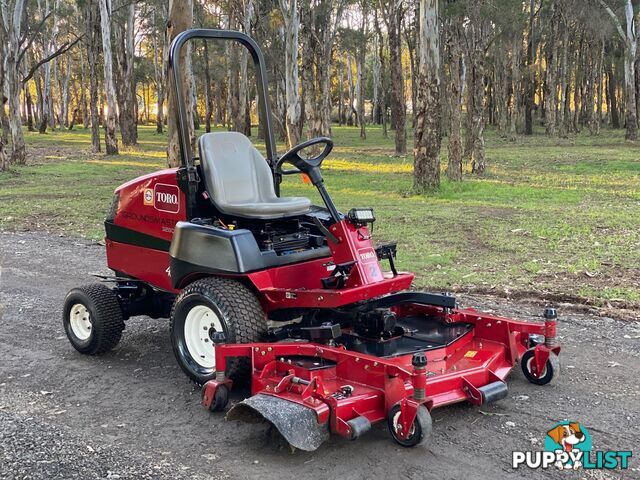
{"x":133,"y":414}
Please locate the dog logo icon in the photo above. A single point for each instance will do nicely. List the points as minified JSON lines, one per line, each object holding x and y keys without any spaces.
{"x":570,"y":441}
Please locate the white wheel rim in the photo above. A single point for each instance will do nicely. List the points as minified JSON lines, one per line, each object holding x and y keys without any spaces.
{"x":200,"y":320}
{"x":80,"y":321}
{"x":540,"y":375}
{"x":397,"y":427}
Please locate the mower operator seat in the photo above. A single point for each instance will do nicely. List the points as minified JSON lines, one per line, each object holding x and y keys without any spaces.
{"x":239,"y":180}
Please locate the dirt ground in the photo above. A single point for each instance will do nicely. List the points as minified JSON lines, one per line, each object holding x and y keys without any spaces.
{"x":133,"y":414}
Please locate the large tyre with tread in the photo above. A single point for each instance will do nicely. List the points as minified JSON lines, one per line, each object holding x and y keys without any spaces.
{"x":206,"y":311}
{"x":92,"y":318}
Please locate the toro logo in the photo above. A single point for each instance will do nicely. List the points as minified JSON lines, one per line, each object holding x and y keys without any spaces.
{"x":166,"y":198}
{"x":367,"y":255}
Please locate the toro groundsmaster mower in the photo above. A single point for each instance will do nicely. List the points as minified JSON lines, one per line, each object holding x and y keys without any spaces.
{"x":294,"y":297}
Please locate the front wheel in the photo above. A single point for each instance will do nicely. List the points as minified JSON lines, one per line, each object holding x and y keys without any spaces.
{"x":92,"y":318}
{"x":420,"y":429}
{"x":550,"y":371}
{"x":210,"y":311}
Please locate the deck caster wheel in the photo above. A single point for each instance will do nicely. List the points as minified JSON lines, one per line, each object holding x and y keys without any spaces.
{"x":92,"y":318}
{"x":420,"y":429}
{"x":211,"y":311}
{"x":220,"y":398}
{"x":550,"y":372}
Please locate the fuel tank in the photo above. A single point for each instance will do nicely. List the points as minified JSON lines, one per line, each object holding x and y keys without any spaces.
{"x":140,"y":225}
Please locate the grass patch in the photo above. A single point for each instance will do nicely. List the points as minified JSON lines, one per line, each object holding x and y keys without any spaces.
{"x":558,"y":215}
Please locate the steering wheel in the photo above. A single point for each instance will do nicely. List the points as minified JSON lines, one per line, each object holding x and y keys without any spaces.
{"x":308,"y":166}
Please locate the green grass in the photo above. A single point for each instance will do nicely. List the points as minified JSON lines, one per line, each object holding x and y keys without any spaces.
{"x":551,"y":215}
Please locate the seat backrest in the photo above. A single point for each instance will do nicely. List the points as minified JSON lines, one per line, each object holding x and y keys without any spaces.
{"x":234,"y":171}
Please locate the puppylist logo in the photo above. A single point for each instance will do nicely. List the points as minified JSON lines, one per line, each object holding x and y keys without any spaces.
{"x":568,"y":446}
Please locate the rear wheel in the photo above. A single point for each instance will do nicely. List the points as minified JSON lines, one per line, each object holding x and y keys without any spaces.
{"x":92,"y":318}
{"x":210,"y":311}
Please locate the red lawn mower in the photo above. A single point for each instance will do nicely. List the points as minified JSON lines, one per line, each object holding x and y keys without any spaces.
{"x":289,"y":295}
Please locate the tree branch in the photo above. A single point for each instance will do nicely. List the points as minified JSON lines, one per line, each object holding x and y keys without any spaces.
{"x":63,"y":49}
{"x":616,"y":21}
{"x":33,"y":36}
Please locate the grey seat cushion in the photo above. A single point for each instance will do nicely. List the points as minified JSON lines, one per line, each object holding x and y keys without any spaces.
{"x":239,"y":179}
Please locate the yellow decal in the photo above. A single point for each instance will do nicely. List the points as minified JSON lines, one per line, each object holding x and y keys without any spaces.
{"x":148,"y":196}
{"x":470,"y":354}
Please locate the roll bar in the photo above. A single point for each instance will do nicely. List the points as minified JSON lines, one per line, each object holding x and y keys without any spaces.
{"x":187,"y":158}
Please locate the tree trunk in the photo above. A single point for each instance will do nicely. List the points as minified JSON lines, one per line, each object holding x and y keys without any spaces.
{"x":127,"y":99}
{"x":454,"y":148}
{"x":376,"y":113}
{"x":289,"y":9}
{"x":561,"y":121}
{"x":111,"y":141}
{"x":12,"y":82}
{"x":160,"y":60}
{"x":208,"y":100}
{"x":398,"y":104}
{"x":426,"y":152}
{"x":531,"y":60}
{"x":551,"y":83}
{"x":244,"y":91}
{"x":612,"y":88}
{"x":630,"y":41}
{"x":478,"y":159}
{"x":64,"y":110}
{"x":4,"y":157}
{"x":352,"y":117}
{"x":93,"y":32}
{"x":516,"y":50}
{"x":180,"y":19}
{"x":29,"y":101}
{"x":361,"y":53}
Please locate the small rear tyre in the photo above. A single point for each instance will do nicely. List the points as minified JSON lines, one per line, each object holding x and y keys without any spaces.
{"x":420,"y":430}
{"x":220,"y":399}
{"x":206,"y":311}
{"x":92,"y":318}
{"x":549,"y":373}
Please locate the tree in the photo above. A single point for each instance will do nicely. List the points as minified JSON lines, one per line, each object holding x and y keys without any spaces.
{"x":289,"y":10}
{"x":629,"y":39}
{"x":124,"y":34}
{"x":392,"y":14}
{"x":4,"y":157}
{"x":426,"y":152}
{"x":180,"y":19}
{"x":111,"y":142}
{"x":551,"y":85}
{"x":92,"y":35}
{"x":12,"y":26}
{"x":361,"y":52}
{"x":454,"y":148}
{"x":320,"y":23}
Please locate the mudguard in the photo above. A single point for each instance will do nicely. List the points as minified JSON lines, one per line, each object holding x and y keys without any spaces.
{"x":297,"y":424}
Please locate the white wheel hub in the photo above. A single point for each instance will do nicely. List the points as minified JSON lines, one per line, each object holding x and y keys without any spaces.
{"x":397,"y":426}
{"x":80,"y":321}
{"x":530,"y":365}
{"x":200,"y":321}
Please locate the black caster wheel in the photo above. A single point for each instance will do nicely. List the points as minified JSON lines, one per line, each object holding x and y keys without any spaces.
{"x":220,"y":399}
{"x":550,"y":372}
{"x":420,"y":429}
